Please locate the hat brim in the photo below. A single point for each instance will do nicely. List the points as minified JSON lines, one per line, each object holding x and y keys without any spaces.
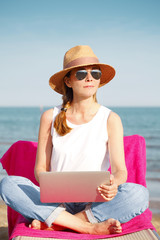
{"x":56,"y":80}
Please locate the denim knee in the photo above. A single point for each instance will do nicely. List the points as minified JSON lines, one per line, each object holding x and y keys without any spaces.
{"x":4,"y":185}
{"x":7,"y":185}
{"x":136,"y":193}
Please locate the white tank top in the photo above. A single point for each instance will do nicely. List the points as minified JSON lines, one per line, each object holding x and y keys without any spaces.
{"x":85,"y":148}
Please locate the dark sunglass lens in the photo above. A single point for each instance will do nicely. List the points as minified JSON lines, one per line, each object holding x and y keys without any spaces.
{"x":96,"y":74}
{"x":81,"y":74}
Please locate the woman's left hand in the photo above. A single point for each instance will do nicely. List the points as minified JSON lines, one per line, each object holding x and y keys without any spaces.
{"x":108,"y":192}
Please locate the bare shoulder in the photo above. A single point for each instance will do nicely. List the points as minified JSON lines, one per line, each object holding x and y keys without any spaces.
{"x":114,"y":118}
{"x":47,"y":117}
{"x":114,"y":122}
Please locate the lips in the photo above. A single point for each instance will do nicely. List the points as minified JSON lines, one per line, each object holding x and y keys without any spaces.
{"x":89,"y":86}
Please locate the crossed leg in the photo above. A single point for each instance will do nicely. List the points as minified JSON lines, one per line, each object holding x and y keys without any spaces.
{"x":80,"y":223}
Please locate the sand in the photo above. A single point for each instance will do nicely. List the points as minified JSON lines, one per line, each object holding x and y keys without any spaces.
{"x":4,"y":224}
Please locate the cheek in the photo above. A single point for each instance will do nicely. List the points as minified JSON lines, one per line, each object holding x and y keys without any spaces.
{"x":97,"y":83}
{"x":77,"y":86}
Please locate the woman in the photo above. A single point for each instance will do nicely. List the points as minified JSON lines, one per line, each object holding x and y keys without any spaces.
{"x":80,"y":135}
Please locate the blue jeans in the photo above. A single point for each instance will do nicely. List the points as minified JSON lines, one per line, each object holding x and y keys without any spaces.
{"x":24,"y":197}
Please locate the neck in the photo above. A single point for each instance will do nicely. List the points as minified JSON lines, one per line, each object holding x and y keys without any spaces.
{"x":84,"y":106}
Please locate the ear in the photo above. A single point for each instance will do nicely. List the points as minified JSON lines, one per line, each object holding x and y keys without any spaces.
{"x":67,"y":81}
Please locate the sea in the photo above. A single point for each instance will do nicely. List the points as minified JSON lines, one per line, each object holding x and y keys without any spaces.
{"x":22,"y":123}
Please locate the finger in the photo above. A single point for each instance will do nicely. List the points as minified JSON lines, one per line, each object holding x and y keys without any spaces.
{"x":108,"y":188}
{"x":103,"y":188}
{"x":107,"y":199}
{"x":108,"y":193}
{"x":111,"y":196}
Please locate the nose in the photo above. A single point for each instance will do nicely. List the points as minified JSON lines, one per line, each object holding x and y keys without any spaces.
{"x":89,"y":76}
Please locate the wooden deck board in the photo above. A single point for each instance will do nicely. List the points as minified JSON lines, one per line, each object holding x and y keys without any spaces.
{"x":141,"y":235}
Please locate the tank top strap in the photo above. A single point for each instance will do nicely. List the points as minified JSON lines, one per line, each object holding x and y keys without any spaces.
{"x":105,"y":112}
{"x":56,"y":111}
{"x":101,"y":122}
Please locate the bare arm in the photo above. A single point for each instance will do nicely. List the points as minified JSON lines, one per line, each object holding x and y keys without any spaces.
{"x":44,"y":148}
{"x":116,"y":154}
{"x":116,"y":148}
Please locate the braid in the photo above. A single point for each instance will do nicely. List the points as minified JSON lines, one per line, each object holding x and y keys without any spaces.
{"x":60,"y":123}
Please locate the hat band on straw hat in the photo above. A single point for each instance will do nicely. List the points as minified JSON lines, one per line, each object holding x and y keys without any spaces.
{"x":82,"y":61}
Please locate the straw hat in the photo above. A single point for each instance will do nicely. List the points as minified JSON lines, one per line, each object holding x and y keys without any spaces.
{"x":80,"y":56}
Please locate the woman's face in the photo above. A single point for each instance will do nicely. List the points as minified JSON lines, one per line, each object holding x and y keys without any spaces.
{"x":88,"y":85}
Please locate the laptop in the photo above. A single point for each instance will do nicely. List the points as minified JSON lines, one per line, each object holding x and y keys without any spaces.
{"x":72,"y":186}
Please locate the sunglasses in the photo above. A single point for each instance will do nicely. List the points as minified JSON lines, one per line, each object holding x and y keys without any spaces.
{"x":82,"y":74}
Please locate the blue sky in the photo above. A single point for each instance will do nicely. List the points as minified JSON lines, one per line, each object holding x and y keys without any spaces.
{"x":35,"y":34}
